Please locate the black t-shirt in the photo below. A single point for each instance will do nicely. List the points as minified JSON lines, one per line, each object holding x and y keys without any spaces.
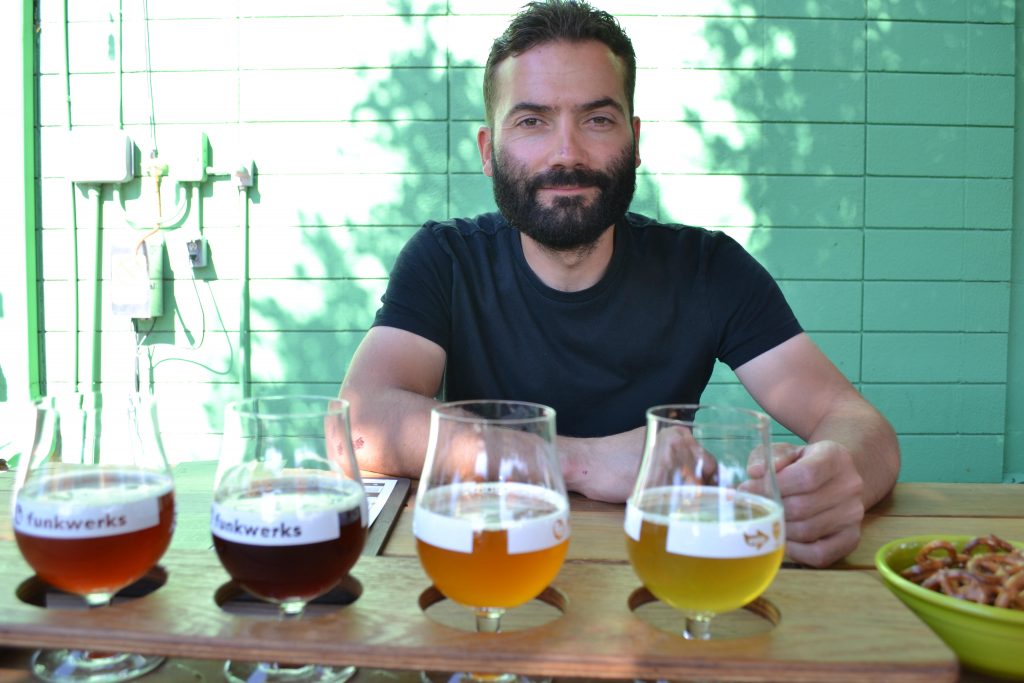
{"x":673,"y":300}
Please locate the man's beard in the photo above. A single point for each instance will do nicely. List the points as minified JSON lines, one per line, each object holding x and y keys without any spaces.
{"x":570,"y":223}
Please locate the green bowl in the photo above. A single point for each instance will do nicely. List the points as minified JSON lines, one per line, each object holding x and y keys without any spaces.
{"x":985,"y":638}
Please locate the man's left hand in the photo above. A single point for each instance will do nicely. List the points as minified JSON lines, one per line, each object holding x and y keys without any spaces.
{"x":821,"y":495}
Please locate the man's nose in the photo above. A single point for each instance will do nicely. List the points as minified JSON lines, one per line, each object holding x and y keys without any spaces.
{"x":569,"y":148}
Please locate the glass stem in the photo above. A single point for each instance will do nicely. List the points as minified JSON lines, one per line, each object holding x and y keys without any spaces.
{"x":488,"y":619}
{"x":698,"y":627}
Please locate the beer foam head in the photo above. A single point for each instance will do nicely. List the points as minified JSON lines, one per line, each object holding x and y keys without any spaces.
{"x":706,"y":521}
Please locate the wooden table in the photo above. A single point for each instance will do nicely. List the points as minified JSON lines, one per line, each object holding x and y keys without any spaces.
{"x":596,"y":555}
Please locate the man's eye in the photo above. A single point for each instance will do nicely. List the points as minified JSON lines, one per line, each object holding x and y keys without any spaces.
{"x":601,"y":120}
{"x":531,"y":122}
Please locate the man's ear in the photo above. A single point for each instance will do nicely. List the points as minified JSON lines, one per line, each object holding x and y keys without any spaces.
{"x":485,"y":144}
{"x":636,"y":139}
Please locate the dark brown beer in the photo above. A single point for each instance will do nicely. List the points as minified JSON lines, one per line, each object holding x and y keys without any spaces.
{"x":269,"y":559}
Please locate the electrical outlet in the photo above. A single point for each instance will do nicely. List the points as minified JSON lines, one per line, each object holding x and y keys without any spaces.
{"x":197,"y":253}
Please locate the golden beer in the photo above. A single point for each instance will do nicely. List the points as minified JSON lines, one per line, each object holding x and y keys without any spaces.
{"x":513,"y":542}
{"x":732,"y":551}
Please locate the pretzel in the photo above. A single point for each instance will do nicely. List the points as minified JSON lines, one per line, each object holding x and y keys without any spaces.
{"x":1010,"y":593}
{"x":992,"y":542}
{"x":995,"y":577}
{"x":928,"y":561}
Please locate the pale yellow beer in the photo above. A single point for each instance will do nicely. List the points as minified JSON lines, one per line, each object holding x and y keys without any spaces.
{"x":507,"y":544}
{"x":722,"y":555}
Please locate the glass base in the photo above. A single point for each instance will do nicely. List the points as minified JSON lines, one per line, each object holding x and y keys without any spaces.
{"x":263,"y":672}
{"x":77,"y":666}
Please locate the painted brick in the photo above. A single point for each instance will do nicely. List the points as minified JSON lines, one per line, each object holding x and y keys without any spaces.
{"x":726,"y":8}
{"x":464,"y":153}
{"x":342,"y":94}
{"x":914,"y":202}
{"x":988,"y":204}
{"x":95,"y":97}
{"x":320,"y":8}
{"x":999,"y":11}
{"x":917,"y":98}
{"x":825,"y":149}
{"x":941,"y":458}
{"x":818,"y":44}
{"x":216,"y":41}
{"x":705,"y":95}
{"x":916,"y":150}
{"x":809,"y":253}
{"x":843,"y":349}
{"x":921,"y":47}
{"x":934,"y":357}
{"x":466,"y":94}
{"x":990,"y":100}
{"x":933,"y":10}
{"x":314,"y":305}
{"x":472,"y":35}
{"x":990,"y":49}
{"x":299,"y":356}
{"x":936,"y":255}
{"x":695,"y":42}
{"x":342,"y":41}
{"x":91,"y":51}
{"x":350,"y":252}
{"x":647,"y":199}
{"x":812,"y":201}
{"x":701,"y":147}
{"x":358,"y":147}
{"x":378,"y":199}
{"x":470,"y":195}
{"x":710,"y":200}
{"x":940,"y":408}
{"x":989,"y":153}
{"x":825,"y":306}
{"x":936,"y":306}
{"x":836,"y":9}
{"x":813,"y":96}
{"x":196,"y":97}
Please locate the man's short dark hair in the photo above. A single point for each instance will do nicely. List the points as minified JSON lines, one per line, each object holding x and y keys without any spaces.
{"x":546,"y":21}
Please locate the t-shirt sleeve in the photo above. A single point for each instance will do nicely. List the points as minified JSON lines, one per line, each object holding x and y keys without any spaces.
{"x":418,"y":295}
{"x":749,"y":312}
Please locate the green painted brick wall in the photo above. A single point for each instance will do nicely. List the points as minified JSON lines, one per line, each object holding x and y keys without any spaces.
{"x":861,"y":149}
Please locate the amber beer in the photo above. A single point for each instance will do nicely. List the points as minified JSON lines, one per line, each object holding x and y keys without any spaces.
{"x":94,"y":531}
{"x":295,"y":543}
{"x":507,"y":544}
{"x":710,"y":551}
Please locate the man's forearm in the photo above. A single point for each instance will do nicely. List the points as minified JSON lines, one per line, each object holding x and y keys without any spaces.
{"x":870,"y":440}
{"x":390,"y":429}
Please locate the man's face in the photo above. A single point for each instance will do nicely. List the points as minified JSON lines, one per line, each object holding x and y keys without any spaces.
{"x":562,"y":152}
{"x":568,"y":221}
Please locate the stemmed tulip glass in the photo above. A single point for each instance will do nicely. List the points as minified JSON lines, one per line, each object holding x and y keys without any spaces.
{"x":492,"y":518}
{"x":289,"y":512}
{"x":93,"y":513}
{"x":703,"y":535}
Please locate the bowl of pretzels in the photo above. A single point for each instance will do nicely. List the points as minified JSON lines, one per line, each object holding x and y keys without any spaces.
{"x":969,"y":590}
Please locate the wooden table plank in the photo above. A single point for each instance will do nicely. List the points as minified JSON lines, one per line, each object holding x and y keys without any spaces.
{"x":953,"y":500}
{"x":820,"y":635}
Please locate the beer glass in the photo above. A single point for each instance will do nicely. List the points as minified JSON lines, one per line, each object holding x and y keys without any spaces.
{"x":702,"y":535}
{"x":289,"y":513}
{"x":93,"y":512}
{"x":492,"y":518}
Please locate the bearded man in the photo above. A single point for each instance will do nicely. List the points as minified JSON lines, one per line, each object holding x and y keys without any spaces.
{"x":564,"y":298}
